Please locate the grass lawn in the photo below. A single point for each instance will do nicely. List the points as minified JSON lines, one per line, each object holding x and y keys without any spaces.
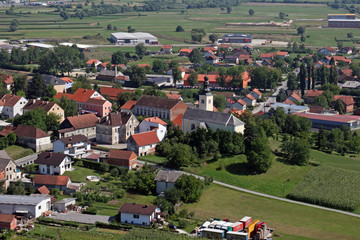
{"x":153,"y":159}
{"x":278,"y":181}
{"x":290,"y":220}
{"x":111,"y":208}
{"x":16,"y":152}
{"x":80,"y":174}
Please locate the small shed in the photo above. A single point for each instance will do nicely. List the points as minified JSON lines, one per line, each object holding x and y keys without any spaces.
{"x":64,"y":204}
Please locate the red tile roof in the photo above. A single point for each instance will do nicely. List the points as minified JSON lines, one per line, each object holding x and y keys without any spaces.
{"x":346,"y":71}
{"x":10,"y":100}
{"x":7,"y":79}
{"x":139,"y":209}
{"x":330,"y":49}
{"x":7,"y":130}
{"x":6,"y":218}
{"x":156,"y":120}
{"x":332,"y":118}
{"x":122,"y":154}
{"x":67,"y":80}
{"x":282,"y":53}
{"x":313,"y":93}
{"x":255,"y":90}
{"x":51,"y":180}
{"x":296,"y":96}
{"x":113,"y":92}
{"x":173,"y":96}
{"x":145,"y":138}
{"x":241,"y":102}
{"x":267,"y":55}
{"x":91,"y":61}
{"x":43,"y":190}
{"x":144,"y":65}
{"x":128,"y":105}
{"x":288,"y":101}
{"x":178,"y":120}
{"x":82,"y":95}
{"x":250,"y":97}
{"x":347,"y":100}
{"x":187,"y":50}
{"x":82,"y":121}
{"x":166,"y":46}
{"x":316,"y":109}
{"x":60,"y":95}
{"x":30,"y":132}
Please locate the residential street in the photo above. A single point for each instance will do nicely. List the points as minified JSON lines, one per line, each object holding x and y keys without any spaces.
{"x":271,"y":99}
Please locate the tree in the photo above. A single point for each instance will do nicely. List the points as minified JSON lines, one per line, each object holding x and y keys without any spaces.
{"x":81,"y":82}
{"x":119,"y":58}
{"x":301,"y":30}
{"x":193,"y":79}
{"x":176,"y":72}
{"x":282,"y":15}
{"x":69,"y":106}
{"x":196,"y":37}
{"x":213,"y":37}
{"x":130,"y":29}
{"x":190,"y":188}
{"x":173,"y":195}
{"x":251,"y":12}
{"x":220,"y":102}
{"x":109,"y":27}
{"x":340,"y":106}
{"x":302,"y":79}
{"x":340,"y":44}
{"x":297,"y":151}
{"x":181,"y":155}
{"x":140,"y":50}
{"x":50,"y":92}
{"x":17,"y":188}
{"x":159,"y":67}
{"x":179,"y":29}
{"x":20,"y":84}
{"x":350,"y":35}
{"x":333,"y":78}
{"x":104,"y":167}
{"x":228,"y":9}
{"x":37,"y":88}
{"x":64,"y":15}
{"x":292,"y":82}
{"x":38,"y":118}
{"x":302,"y":39}
{"x":221,"y":80}
{"x":137,"y":75}
{"x":321,"y":101}
{"x":235,"y":73}
{"x":11,"y":138}
{"x":195,"y":56}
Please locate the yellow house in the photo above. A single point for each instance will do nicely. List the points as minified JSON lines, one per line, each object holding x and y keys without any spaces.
{"x":49,"y":107}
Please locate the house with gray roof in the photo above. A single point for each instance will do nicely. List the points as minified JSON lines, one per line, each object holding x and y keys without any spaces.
{"x":58,"y":83}
{"x":166,"y":180}
{"x":195,"y":118}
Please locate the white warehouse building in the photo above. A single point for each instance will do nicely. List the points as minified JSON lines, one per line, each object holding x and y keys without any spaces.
{"x":24,"y":205}
{"x":121,"y":38}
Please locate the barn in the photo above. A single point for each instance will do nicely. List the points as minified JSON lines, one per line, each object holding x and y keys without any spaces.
{"x":122,"y":38}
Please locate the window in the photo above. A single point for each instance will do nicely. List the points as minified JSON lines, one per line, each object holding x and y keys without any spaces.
{"x":136,"y":216}
{"x":202,"y":101}
{"x":192,"y":126}
{"x":39,"y":207}
{"x":209,"y":100}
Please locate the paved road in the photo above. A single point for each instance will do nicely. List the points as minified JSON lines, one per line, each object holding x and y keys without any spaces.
{"x":80,"y":218}
{"x":271,"y":99}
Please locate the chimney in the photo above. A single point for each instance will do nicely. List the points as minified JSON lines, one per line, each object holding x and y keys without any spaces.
{"x":115,"y":70}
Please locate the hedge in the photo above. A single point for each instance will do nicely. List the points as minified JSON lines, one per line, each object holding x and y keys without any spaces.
{"x":45,"y":220}
{"x":96,"y":165}
{"x":118,"y":226}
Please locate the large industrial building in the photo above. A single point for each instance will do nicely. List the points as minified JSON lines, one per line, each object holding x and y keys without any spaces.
{"x":122,"y":38}
{"x":343,"y":21}
{"x":237,"y":38}
{"x":329,"y":121}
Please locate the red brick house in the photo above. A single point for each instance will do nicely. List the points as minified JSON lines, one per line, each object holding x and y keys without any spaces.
{"x":348,"y":102}
{"x":310,"y":95}
{"x":122,"y":158}
{"x":113,"y":93}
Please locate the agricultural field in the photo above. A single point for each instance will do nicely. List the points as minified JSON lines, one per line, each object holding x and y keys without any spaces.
{"x":291,"y":221}
{"x":42,"y":22}
{"x":329,"y":187}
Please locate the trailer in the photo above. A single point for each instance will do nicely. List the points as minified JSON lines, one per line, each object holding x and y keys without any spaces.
{"x":237,"y":235}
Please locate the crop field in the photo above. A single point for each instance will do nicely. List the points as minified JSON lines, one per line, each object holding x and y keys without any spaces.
{"x":42,"y":22}
{"x":329,"y":187}
{"x":291,"y":221}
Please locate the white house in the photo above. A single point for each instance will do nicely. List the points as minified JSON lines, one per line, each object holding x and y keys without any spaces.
{"x":166,"y":180}
{"x":53,"y":163}
{"x":64,"y":204}
{"x":11,"y":105}
{"x":143,"y":143}
{"x":140,"y":214}
{"x":24,"y":205}
{"x":74,"y":146}
{"x":328,"y":51}
{"x":250,"y":100}
{"x":154,"y":124}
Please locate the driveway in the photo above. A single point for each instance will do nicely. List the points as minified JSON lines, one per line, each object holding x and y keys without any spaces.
{"x":115,"y":146}
{"x":80,"y":218}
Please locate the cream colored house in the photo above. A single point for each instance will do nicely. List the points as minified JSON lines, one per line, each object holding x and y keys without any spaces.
{"x":195,"y":118}
{"x":116,"y":127}
{"x":49,"y":107}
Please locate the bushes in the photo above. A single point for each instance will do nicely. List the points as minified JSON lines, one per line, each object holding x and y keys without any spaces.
{"x":114,"y":226}
{"x":49,"y":221}
{"x":98,"y":166}
{"x":329,"y":187}
{"x":90,"y":210}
